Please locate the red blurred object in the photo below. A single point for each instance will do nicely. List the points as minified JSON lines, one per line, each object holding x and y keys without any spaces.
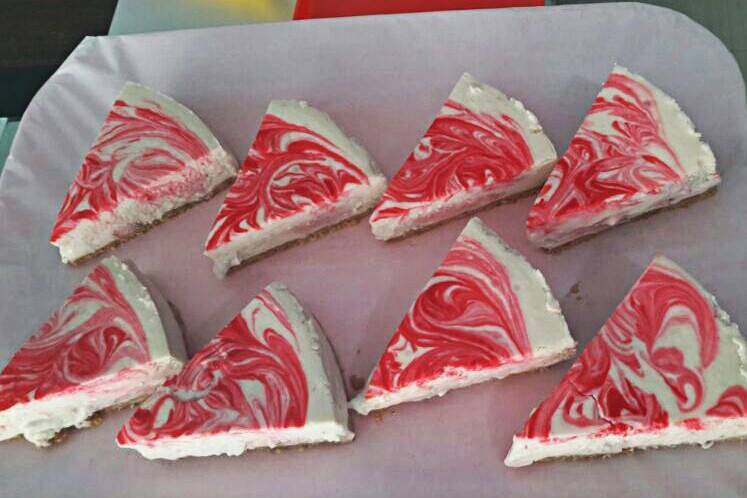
{"x":315,"y":9}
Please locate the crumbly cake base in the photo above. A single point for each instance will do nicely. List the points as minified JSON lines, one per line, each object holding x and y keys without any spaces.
{"x":348,"y":222}
{"x":94,"y":420}
{"x":684,"y":203}
{"x":631,"y":451}
{"x":141,"y":229}
{"x":466,"y":214}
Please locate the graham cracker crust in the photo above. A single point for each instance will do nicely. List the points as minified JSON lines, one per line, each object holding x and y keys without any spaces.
{"x":348,"y":222}
{"x":684,"y":203}
{"x":467,"y":214}
{"x":631,"y":451}
{"x":143,"y":228}
{"x":95,"y":420}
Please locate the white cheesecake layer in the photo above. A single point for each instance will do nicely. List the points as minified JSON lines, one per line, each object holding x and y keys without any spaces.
{"x":463,"y":202}
{"x":38,"y":421}
{"x":577,"y":227}
{"x":131,"y":215}
{"x":235,"y":443}
{"x":356,"y":201}
{"x":527,"y":451}
{"x":458,"y":378}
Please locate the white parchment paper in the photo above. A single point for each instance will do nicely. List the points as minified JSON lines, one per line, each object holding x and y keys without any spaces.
{"x":383,"y":79}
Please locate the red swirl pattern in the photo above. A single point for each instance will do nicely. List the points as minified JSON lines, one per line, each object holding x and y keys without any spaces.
{"x":135,"y":150}
{"x":468,"y":317}
{"x":289,"y":168}
{"x":462,"y":150}
{"x":609,"y":388}
{"x":95,"y":332}
{"x":619,"y":151}
{"x":210,"y":395}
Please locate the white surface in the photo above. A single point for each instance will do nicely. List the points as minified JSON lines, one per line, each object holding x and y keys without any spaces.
{"x":384,"y":84}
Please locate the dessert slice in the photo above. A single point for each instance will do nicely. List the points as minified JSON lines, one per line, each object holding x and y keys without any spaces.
{"x":110,"y":344}
{"x":268,"y":379}
{"x":636,"y":151}
{"x":668,"y":368}
{"x":302,"y":175}
{"x":152,"y":159}
{"x":481,"y":148}
{"x":484,"y":314}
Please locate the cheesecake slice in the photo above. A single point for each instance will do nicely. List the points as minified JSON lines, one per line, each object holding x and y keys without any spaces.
{"x":482,"y":147}
{"x":110,"y":344}
{"x":636,"y":151}
{"x":302,"y":175}
{"x":668,"y":368}
{"x":268,"y":379}
{"x":152,"y":159}
{"x":484,"y":314}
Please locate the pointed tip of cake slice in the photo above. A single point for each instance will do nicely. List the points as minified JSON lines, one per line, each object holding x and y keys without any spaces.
{"x":273,"y":381}
{"x":680,"y":319}
{"x":537,"y":333}
{"x":672,"y":154}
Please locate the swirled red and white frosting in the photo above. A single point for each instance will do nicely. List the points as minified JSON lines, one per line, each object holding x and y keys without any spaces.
{"x":635,"y":151}
{"x":267,"y":379}
{"x":106,"y":340}
{"x":302,"y":174}
{"x":668,"y":367}
{"x":151,"y":156}
{"x":481,"y":147}
{"x":485,"y":313}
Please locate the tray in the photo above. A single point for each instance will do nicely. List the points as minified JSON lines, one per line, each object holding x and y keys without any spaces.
{"x":383,"y":79}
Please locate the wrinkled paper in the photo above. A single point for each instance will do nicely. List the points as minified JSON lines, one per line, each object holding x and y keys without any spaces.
{"x":383,"y":79}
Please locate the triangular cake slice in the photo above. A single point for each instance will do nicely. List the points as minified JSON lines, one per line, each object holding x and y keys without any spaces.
{"x":484,"y":314}
{"x":268,"y":379}
{"x":481,"y":148}
{"x":152,"y":159}
{"x":110,"y":344}
{"x":668,"y":368}
{"x":636,"y":151}
{"x":302,"y":175}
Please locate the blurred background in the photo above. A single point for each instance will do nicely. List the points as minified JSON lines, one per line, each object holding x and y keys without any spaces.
{"x":37,"y":35}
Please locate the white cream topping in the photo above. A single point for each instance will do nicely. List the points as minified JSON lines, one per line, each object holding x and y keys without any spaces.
{"x":546,"y":328}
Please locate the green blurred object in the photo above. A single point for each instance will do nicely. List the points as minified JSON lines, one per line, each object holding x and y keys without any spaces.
{"x":727,"y":19}
{"x":144,"y":16}
{"x":7,"y":132}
